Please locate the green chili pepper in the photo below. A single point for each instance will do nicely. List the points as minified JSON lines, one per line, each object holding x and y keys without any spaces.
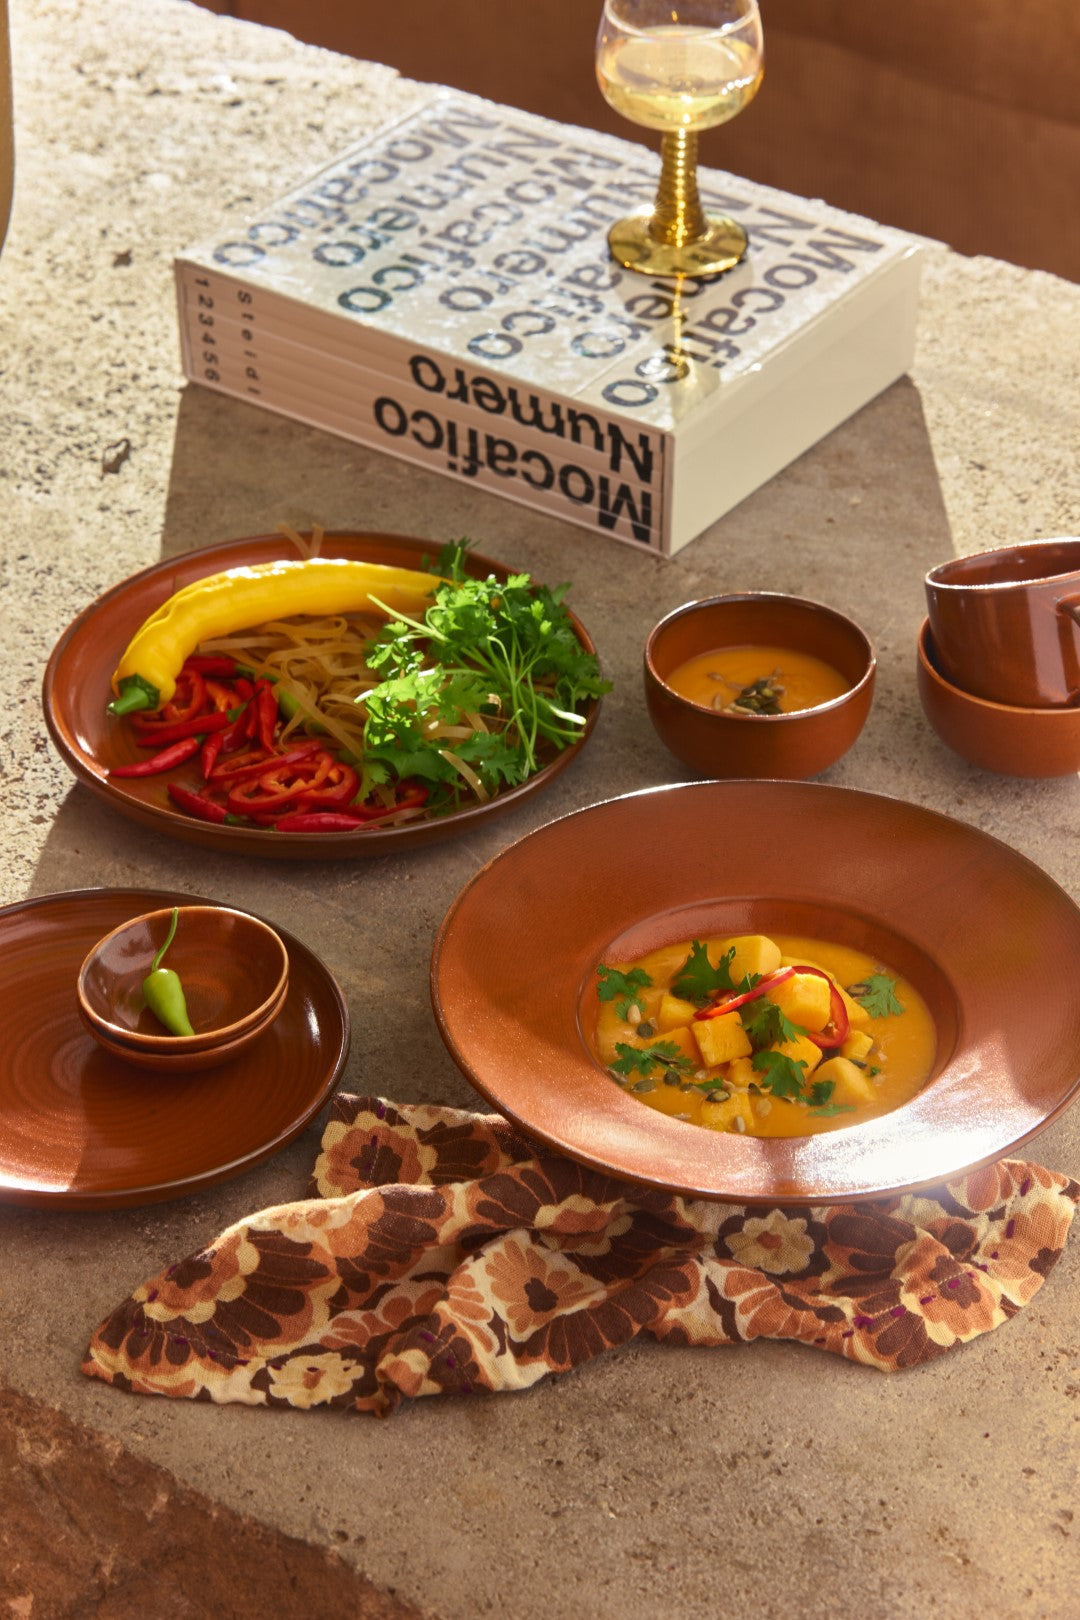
{"x":163,"y":992}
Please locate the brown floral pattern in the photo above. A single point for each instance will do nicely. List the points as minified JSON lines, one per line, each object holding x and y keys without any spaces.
{"x":439,"y":1252}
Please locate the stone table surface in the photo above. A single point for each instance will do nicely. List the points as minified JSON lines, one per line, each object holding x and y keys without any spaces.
{"x":765,"y":1480}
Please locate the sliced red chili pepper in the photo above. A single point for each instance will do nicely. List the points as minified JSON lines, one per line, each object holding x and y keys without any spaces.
{"x":196,"y":804}
{"x":222,"y":695}
{"x":266,"y":712}
{"x":243,"y":688}
{"x":408,"y":797}
{"x":254,"y":761}
{"x":337,"y":789}
{"x":281,"y":785}
{"x":300,"y":821}
{"x":152,"y":736}
{"x":188,"y":700}
{"x":729,"y":1003}
{"x":165,"y":760}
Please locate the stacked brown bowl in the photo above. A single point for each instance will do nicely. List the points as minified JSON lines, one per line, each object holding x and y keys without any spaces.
{"x":998,"y":658}
{"x":234,"y":970}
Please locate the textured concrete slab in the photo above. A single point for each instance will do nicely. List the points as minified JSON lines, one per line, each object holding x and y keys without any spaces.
{"x":765,"y":1481}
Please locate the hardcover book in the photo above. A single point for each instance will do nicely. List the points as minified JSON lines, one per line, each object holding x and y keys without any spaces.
{"x":443,"y":292}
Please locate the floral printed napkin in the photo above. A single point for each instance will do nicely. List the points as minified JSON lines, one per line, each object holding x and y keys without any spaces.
{"x":439,"y":1252}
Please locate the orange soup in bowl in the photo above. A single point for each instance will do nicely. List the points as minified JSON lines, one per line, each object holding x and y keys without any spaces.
{"x":757,"y":680}
{"x":764,"y":1035}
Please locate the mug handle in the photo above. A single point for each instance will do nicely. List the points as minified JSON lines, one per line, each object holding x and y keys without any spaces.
{"x":1070,"y":606}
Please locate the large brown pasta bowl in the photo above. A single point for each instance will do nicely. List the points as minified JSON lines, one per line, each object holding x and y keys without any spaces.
{"x":958,"y":914}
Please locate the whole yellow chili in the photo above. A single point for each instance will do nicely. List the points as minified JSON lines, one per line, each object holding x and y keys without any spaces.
{"x":145,"y":677}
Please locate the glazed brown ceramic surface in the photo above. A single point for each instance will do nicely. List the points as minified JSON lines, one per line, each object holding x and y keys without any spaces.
{"x":1006,"y":623}
{"x":995,"y":736}
{"x":76,"y":690}
{"x":986,"y":937}
{"x":80,"y":1130}
{"x":233,"y":967}
{"x":791,"y":746}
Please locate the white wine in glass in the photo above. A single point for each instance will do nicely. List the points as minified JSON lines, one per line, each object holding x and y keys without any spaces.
{"x":679,"y":66}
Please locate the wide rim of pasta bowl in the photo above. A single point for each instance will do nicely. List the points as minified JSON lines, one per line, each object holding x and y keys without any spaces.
{"x":76,"y":688}
{"x":514,"y":965}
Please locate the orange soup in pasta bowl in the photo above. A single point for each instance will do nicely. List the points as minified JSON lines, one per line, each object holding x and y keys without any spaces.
{"x":758,"y":685}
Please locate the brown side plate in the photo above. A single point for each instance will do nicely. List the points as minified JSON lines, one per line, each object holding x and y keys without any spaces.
{"x":81,"y":1130}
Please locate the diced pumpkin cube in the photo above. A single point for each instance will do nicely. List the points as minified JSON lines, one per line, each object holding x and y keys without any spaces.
{"x":741,"y":1072}
{"x":674,"y":1011}
{"x":851,"y":1084}
{"x":755,"y":954}
{"x":800,"y":1049}
{"x":681,"y":1039}
{"x":857,"y":1045}
{"x":721,"y":1116}
{"x":721,"y":1039}
{"x":805,"y":999}
{"x":857,"y":1014}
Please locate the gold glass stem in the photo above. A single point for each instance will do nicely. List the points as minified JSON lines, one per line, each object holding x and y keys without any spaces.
{"x":678,"y":217}
{"x":678,"y":238}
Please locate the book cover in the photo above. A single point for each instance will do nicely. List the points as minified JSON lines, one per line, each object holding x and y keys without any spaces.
{"x":443,"y":292}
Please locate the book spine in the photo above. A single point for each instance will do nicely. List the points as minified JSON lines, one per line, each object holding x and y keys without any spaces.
{"x":573,"y":465}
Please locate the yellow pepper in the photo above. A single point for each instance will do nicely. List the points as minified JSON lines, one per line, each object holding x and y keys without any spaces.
{"x":145,"y":677}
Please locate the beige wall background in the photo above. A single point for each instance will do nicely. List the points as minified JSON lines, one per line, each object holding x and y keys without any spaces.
{"x":959,"y":119}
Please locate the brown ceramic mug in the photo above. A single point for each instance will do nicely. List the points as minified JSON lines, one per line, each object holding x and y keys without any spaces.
{"x":1006,"y":623}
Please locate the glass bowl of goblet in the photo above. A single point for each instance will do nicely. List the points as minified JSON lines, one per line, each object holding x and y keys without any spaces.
{"x":679,"y":66}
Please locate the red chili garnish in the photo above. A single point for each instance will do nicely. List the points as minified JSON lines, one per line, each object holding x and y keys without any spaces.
{"x":222,"y":695}
{"x":408,"y":796}
{"x":238,"y":767}
{"x":153,"y":735}
{"x":337,"y":789}
{"x":175,"y":754}
{"x":266,"y":711}
{"x":282,"y":784}
{"x":316,"y":821}
{"x":728,"y":1003}
{"x":186,"y":703}
{"x":196,"y":804}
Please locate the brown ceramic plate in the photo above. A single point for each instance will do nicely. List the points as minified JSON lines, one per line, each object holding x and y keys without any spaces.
{"x":90,"y":741}
{"x":989,"y":940}
{"x":80,"y":1130}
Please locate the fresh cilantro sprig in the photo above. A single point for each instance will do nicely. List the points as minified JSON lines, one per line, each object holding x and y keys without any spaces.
{"x":699,"y":981}
{"x":644,"y":1060}
{"x":766,"y":1024}
{"x":622,"y":988}
{"x":505,"y":650}
{"x":780,"y":1074}
{"x":877,"y":993}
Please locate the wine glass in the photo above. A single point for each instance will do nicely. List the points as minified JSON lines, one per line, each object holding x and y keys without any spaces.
{"x":679,"y":66}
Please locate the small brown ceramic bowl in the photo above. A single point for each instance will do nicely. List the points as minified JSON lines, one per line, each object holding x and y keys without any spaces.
{"x":234,"y":970}
{"x":996,"y":736}
{"x":719,"y":743}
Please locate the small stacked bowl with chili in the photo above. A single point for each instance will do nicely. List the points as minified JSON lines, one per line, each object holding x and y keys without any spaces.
{"x":227,"y":981}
